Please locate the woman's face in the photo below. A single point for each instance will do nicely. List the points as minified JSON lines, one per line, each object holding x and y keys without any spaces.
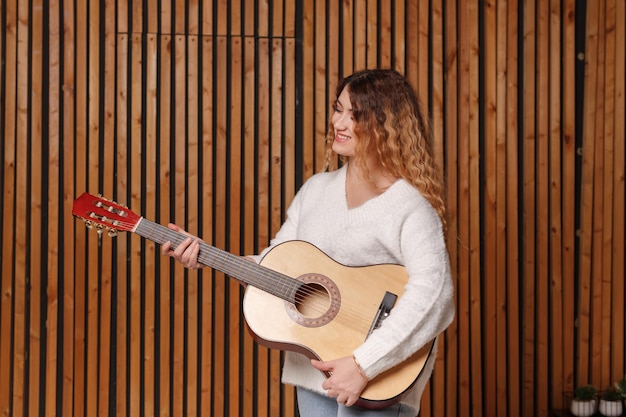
{"x":343,"y":123}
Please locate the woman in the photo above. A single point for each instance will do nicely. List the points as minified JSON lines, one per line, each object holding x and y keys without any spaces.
{"x":383,"y":205}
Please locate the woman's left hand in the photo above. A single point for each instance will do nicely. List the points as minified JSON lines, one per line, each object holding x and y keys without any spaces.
{"x":346,"y":382}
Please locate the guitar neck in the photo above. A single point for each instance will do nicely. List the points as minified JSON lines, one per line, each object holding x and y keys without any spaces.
{"x":237,"y":267}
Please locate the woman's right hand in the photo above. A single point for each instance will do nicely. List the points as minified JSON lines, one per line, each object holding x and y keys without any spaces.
{"x":187,"y":252}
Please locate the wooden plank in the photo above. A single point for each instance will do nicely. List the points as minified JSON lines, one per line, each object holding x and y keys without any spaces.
{"x":359,"y":51}
{"x":597,"y":237}
{"x":220,"y":308}
{"x":512,"y":213}
{"x":529,"y":214}
{"x":234,"y":234}
{"x":608,"y":215}
{"x":277,"y":19}
{"x":586,"y":199}
{"x":263,"y":19}
{"x":150,"y":364}
{"x":164,"y":216}
{"x":65,"y":202}
{"x":569,"y":200}
{"x":8,"y":200}
{"x":151,"y":13}
{"x":248,"y":12}
{"x":134,"y":149}
{"x":263,"y":200}
{"x":193,"y":23}
{"x":423,"y":24}
{"x":83,"y":378}
{"x":249,"y":222}
{"x":122,"y":336}
{"x":321,"y":96}
{"x":473,"y":160}
{"x":372,"y":36}
{"x":464,"y":304}
{"x":52,"y":272}
{"x":35,"y":349}
{"x":383,"y":34}
{"x":290,"y":167}
{"x":619,"y":229}
{"x":411,"y":36}
{"x":192,"y":214}
{"x":500,"y":233}
{"x":349,"y":35}
{"x":276,"y":199}
{"x":179,"y":76}
{"x":399,"y":31}
{"x":178,"y":16}
{"x":457,"y":394}
{"x":490,"y":211}
{"x":21,"y":202}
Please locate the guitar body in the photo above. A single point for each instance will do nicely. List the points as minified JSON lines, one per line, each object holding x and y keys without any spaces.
{"x":333,"y":316}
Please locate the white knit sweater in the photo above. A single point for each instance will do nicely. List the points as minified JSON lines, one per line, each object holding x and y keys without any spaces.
{"x":398,"y":226}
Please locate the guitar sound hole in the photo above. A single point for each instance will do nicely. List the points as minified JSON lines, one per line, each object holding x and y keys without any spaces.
{"x":317,"y":302}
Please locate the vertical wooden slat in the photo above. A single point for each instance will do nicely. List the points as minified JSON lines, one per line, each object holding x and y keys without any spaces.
{"x":178,"y":195}
{"x":36,"y":303}
{"x":207,"y":225}
{"x":122,"y":331}
{"x":383,"y":34}
{"x":513,"y":212}
{"x":82,"y":377}
{"x":470,"y":377}
{"x":491,"y":158}
{"x":607,"y":209}
{"x":542,"y":191}
{"x":360,"y":35}
{"x":618,"y":339}
{"x":456,"y":372}
{"x":569,"y":200}
{"x":276,"y":174}
{"x":290,"y":164}
{"x":586,"y":199}
{"x":249,"y":223}
{"x":191,"y":223}
{"x":263,"y":197}
{"x":528,"y":215}
{"x":134,"y":149}
{"x":399,"y":31}
{"x":235,"y":209}
{"x":372,"y":43}
{"x":66,"y":196}
{"x":164,"y":300}
{"x":220,"y":355}
{"x":21,"y":207}
{"x":501,"y":245}
{"x":150,"y":363}
{"x":439,"y":381}
{"x":474,"y":201}
{"x":597,"y":233}
{"x":309,"y":90}
{"x":53,"y":304}
{"x":8,"y":209}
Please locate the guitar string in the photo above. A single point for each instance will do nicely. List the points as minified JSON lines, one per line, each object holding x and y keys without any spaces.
{"x":301,"y":292}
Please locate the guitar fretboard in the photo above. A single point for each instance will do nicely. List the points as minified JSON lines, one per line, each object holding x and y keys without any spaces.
{"x":238,"y":267}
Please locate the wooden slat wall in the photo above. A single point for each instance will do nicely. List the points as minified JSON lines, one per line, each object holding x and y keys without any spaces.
{"x":212,"y":113}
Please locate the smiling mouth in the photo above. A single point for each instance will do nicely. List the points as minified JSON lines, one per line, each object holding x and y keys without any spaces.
{"x":341,"y":138}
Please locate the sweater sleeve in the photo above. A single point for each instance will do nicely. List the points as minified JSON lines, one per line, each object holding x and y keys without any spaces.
{"x":426,"y":307}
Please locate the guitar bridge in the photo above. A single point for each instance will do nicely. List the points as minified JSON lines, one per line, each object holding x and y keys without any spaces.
{"x":387,"y":303}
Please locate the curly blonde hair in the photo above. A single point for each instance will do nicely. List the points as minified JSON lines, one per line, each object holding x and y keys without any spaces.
{"x":389,"y":122}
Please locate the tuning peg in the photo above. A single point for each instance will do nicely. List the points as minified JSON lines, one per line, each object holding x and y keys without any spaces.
{"x":112,"y":232}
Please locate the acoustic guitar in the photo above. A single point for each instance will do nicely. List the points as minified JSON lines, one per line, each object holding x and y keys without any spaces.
{"x":296,"y":299}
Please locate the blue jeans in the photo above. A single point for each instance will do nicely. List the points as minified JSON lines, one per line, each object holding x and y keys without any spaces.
{"x":312,"y":404}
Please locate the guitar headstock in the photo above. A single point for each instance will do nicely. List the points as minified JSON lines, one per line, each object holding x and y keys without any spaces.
{"x":104,"y":214}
